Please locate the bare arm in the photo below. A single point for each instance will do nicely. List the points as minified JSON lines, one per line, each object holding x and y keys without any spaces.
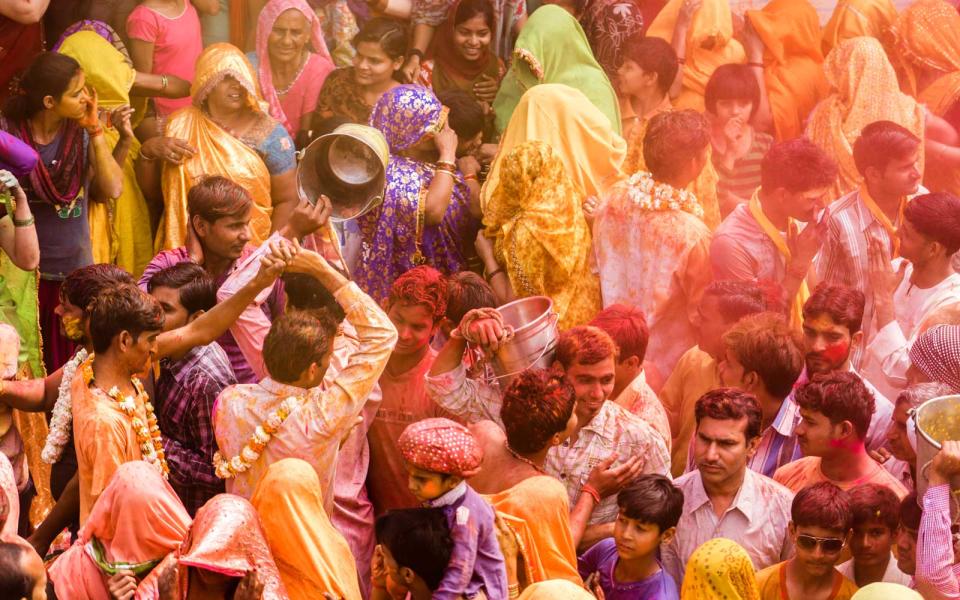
{"x":940,"y":130}
{"x":32,"y":395}
{"x":25,"y":12}
{"x":141,"y":53}
{"x":19,"y":243}
{"x":679,"y":41}
{"x":283,"y":191}
{"x":63,"y":512}
{"x":763,"y":119}
{"x":151,"y":85}
{"x":207,"y":7}
{"x":107,"y":174}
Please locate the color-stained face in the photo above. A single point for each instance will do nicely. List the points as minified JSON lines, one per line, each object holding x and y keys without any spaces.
{"x":73,"y":103}
{"x":871,"y":543}
{"x":71,"y":320}
{"x":897,"y":438}
{"x":426,"y":485}
{"x":472,"y":38}
{"x":415,"y":327}
{"x":816,"y":434}
{"x":289,"y":36}
{"x":827,"y":344}
{"x":372,"y":66}
{"x":592,"y":385}
{"x":817,"y":557}
{"x":634,"y":538}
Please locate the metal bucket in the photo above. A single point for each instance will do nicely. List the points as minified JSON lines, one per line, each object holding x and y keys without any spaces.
{"x":535,"y":336}
{"x":936,"y":420}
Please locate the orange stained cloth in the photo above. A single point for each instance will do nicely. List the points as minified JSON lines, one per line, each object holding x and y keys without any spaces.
{"x":312,"y":557}
{"x":806,"y":471}
{"x":578,"y":132}
{"x":793,"y":62}
{"x":864,"y":89}
{"x":710,"y":43}
{"x":856,"y":18}
{"x":535,"y":217}
{"x":940,"y":97}
{"x":538,"y":511}
{"x":218,"y":152}
{"x":138,"y":518}
{"x":695,"y":375}
{"x":926,"y":36}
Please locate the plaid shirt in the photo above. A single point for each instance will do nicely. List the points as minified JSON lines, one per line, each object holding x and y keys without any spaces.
{"x":185,"y":394}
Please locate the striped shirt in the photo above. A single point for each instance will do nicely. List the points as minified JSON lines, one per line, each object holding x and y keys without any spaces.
{"x":938,"y":575}
{"x":744,"y":177}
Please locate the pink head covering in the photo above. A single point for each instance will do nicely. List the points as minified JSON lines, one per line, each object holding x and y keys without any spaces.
{"x":441,"y":446}
{"x":9,"y":351}
{"x":10,"y":503}
{"x":936,"y":352}
{"x":268,"y":16}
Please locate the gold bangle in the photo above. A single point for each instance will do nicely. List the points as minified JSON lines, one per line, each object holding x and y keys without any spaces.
{"x":163,"y":82}
{"x":513,"y":590}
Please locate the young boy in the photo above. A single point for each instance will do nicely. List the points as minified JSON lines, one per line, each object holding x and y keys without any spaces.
{"x":414,"y":548}
{"x":626,"y":565}
{"x":876,"y":514}
{"x":439,"y":454}
{"x":820,"y":528}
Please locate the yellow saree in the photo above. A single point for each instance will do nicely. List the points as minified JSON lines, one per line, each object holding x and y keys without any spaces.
{"x":120,"y":228}
{"x":858,"y":18}
{"x":218,"y":152}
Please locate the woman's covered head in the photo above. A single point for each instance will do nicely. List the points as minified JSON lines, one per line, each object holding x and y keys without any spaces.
{"x":290,"y":32}
{"x":407,"y":115}
{"x":53,"y":82}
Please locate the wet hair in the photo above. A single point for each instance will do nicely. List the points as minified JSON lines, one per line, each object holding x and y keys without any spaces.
{"x":737,"y":299}
{"x":215,"y":197}
{"x":673,"y":139}
{"x":468,"y":9}
{"x":839,"y":396}
{"x":653,"y":55}
{"x":49,"y":74}
{"x":797,"y":165}
{"x":880,"y":143}
{"x":844,"y":305}
{"x":304,"y":292}
{"x":197,"y":289}
{"x":418,"y":539}
{"x":732,"y":82}
{"x":389,"y":34}
{"x":536,"y":406}
{"x":918,"y":393}
{"x":14,"y":582}
{"x":627,"y":326}
{"x":822,"y":505}
{"x":466,"y":291}
{"x":585,"y":345}
{"x":466,"y":116}
{"x":766,"y":345}
{"x":731,"y":404}
{"x":910,"y":513}
{"x":86,"y":283}
{"x":125,"y":308}
{"x":421,"y":286}
{"x":871,"y":502}
{"x":295,"y":341}
{"x":936,"y":217}
{"x":652,"y":498}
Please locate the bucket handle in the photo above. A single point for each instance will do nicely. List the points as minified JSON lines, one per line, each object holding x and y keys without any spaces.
{"x":554,"y":317}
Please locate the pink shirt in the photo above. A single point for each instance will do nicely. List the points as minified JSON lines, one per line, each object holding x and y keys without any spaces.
{"x":177,"y":43}
{"x":938,"y":576}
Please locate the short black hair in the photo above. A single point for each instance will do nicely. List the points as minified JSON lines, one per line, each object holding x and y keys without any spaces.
{"x":652,"y":498}
{"x":296,"y":340}
{"x":197,"y":289}
{"x":305,"y":292}
{"x":654,"y":55}
{"x":466,"y":116}
{"x":936,"y":217}
{"x":880,"y":143}
{"x":466,"y":291}
{"x":14,"y":583}
{"x":732,"y":82}
{"x":389,"y":34}
{"x":419,"y":539}
{"x":123,"y":308}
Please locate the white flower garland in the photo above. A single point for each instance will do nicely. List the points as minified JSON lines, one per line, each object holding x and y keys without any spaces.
{"x":250,"y":453}
{"x":61,"y":423}
{"x":653,"y":195}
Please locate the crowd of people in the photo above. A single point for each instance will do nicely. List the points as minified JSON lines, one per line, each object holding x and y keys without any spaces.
{"x":741,"y":227}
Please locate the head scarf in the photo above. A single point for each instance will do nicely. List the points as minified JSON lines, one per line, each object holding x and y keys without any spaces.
{"x":719,"y":570}
{"x":441,"y":446}
{"x":268,"y":16}
{"x":609,"y":25}
{"x":563,"y":118}
{"x":886,"y":591}
{"x":453,"y":71}
{"x":552,"y":48}
{"x":226,"y":538}
{"x":407,"y":114}
{"x":864,"y":89}
{"x":936,"y":352}
{"x":856,"y":18}
{"x":927,"y":34}
{"x":311,"y":555}
{"x":137,"y":519}
{"x":219,"y":61}
{"x":555,"y":589}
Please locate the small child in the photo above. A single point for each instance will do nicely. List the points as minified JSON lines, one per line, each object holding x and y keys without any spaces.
{"x":626,"y":566}
{"x":820,"y":528}
{"x":876,"y":515}
{"x":439,"y":454}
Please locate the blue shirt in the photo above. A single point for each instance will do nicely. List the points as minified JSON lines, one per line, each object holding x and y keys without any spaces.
{"x":602,"y":558}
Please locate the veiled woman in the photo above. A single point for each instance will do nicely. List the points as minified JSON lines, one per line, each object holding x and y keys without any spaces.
{"x":426,"y":216}
{"x":720,"y":569}
{"x":230,"y":134}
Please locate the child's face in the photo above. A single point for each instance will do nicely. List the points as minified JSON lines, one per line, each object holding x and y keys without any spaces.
{"x":636,"y":539}
{"x":728,"y":110}
{"x":870,"y":543}
{"x":817,"y":557}
{"x":427,"y":485}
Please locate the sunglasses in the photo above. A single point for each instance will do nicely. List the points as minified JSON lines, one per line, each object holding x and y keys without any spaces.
{"x":828,"y":545}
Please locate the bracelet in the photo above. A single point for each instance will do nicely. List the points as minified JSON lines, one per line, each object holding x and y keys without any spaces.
{"x":490,"y":275}
{"x":513,"y":591}
{"x":96,"y":131}
{"x":415,"y":52}
{"x":592,"y":491}
{"x":444,"y":164}
{"x":448,"y":172}
{"x":470,"y":177}
{"x":755,"y":64}
{"x":163,"y":82}
{"x":23,"y":222}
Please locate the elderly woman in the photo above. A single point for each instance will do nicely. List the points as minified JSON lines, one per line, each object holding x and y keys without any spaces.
{"x":427,"y":216}
{"x":226,"y":131}
{"x":292,"y":61}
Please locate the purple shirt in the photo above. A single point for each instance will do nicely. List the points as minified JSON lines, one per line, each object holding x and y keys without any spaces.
{"x":602,"y":558}
{"x":476,"y":562}
{"x":272,"y":307}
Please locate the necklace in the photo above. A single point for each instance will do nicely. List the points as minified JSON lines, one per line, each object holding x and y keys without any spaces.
{"x":293,"y":82}
{"x":250,"y":453}
{"x":61,"y":422}
{"x":522,"y":459}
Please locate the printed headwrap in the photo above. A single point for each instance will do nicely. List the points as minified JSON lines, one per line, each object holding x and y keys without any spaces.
{"x":441,"y":446}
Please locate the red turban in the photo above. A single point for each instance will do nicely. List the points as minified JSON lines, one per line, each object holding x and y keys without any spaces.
{"x":441,"y":446}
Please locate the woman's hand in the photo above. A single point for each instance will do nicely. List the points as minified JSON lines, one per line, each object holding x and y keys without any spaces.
{"x":120,"y":119}
{"x":485,"y":89}
{"x":469,"y":165}
{"x":687,"y":10}
{"x":484,"y":246}
{"x":91,"y":118}
{"x":10,"y":183}
{"x":752,"y":43}
{"x":446,"y":143}
{"x":122,"y":586}
{"x":250,"y":587}
{"x":378,"y":568}
{"x":591,"y":206}
{"x":410,"y":70}
{"x":172,"y":150}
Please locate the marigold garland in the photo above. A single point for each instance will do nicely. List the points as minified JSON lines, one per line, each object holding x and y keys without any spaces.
{"x":653,"y":195}
{"x":250,"y":453}
{"x":61,"y":422}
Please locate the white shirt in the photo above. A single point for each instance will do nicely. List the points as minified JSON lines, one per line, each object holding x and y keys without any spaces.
{"x":893,"y":574}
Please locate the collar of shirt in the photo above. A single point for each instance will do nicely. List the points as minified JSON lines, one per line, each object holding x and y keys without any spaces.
{"x":786,"y":420}
{"x":448,"y":498}
{"x":179,"y":367}
{"x":604,"y":422}
{"x":743,"y":501}
{"x":281,"y":389}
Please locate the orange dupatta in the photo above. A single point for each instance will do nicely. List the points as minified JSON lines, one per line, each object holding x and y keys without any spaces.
{"x":858,"y":18}
{"x":778,"y":239}
{"x":218,"y":152}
